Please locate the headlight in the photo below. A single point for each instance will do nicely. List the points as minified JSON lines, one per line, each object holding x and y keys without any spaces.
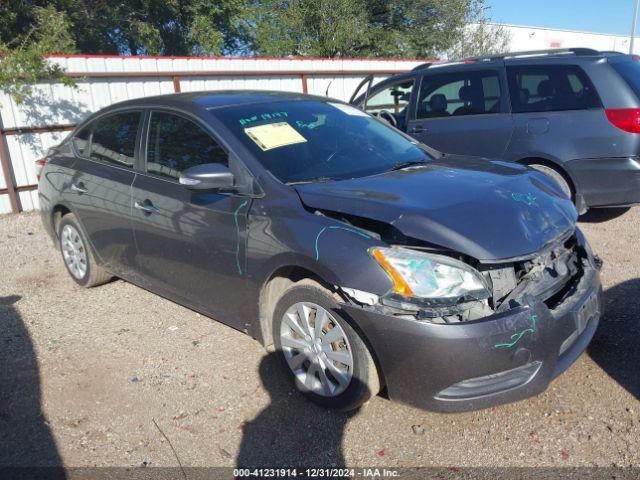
{"x":430,"y":277}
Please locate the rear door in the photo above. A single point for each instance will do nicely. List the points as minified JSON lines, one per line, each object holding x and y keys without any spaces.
{"x":557,"y":114}
{"x":188,"y":242}
{"x":463,"y":112}
{"x":100,"y":188}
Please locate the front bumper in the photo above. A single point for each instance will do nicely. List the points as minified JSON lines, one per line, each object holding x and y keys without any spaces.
{"x":498,"y":359}
{"x":606,"y":182}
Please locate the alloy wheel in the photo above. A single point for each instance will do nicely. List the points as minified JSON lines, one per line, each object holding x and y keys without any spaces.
{"x":73,"y":251}
{"x":316,"y":349}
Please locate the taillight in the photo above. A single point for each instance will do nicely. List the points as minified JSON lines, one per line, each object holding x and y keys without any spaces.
{"x":627,"y":119}
{"x":39,"y":165}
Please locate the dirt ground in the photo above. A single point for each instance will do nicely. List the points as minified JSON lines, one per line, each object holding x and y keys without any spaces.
{"x":117,"y":376}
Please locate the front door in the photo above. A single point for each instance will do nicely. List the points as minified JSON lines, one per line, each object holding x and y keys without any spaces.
{"x":190,"y":244}
{"x":464,"y":112}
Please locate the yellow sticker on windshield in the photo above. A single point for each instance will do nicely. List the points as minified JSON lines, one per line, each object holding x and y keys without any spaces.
{"x":274,"y":135}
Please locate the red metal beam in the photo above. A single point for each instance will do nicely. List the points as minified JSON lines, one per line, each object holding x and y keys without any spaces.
{"x":176,"y":83}
{"x":43,"y":129}
{"x":23,"y":188}
{"x":5,"y":160}
{"x":232,"y":73}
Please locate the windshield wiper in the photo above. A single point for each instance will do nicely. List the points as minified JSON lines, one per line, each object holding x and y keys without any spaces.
{"x":407,"y":164}
{"x":313,"y":180}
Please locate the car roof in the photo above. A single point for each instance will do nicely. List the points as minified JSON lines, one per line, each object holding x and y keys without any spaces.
{"x":208,"y":100}
{"x":532,"y":57}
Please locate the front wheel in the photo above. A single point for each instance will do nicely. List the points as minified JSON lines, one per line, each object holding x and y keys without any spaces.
{"x":327,"y":359}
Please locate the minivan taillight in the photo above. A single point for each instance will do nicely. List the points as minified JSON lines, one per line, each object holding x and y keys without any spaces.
{"x":39,"y":165}
{"x":627,"y":119}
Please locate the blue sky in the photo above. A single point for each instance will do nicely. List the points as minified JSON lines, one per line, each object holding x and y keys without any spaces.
{"x":606,"y":16}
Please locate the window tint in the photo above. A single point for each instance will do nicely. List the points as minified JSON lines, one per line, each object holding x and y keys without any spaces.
{"x":82,"y":141}
{"x":463,"y":93}
{"x":551,"y":88}
{"x":176,"y":144}
{"x":630,"y":71}
{"x":114,"y":139}
{"x":393,"y":99}
{"x":308,"y":140}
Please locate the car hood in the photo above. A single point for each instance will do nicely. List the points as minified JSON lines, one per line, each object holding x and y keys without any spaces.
{"x":487,"y":209}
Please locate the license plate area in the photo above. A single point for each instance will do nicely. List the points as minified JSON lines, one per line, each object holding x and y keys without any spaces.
{"x":587,"y":311}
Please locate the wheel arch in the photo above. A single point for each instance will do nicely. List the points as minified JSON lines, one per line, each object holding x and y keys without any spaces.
{"x":278,"y":282}
{"x":554,"y":164}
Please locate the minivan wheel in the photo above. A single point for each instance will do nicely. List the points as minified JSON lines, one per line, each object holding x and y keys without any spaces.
{"x":77,"y":254}
{"x":327,"y":359}
{"x":556,"y":175}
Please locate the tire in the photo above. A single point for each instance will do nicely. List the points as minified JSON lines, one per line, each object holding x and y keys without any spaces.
{"x":343,"y":387}
{"x":77,"y":255}
{"x":559,"y":178}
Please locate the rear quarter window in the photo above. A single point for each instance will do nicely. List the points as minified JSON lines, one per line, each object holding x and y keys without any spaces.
{"x":630,"y":72}
{"x":545,"y":88}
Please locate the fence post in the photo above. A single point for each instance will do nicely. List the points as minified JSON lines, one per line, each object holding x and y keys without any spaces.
{"x":5,"y":160}
{"x":176,"y":83}
{"x":305,"y":88}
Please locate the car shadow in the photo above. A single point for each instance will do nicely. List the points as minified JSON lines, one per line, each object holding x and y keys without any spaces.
{"x":615,"y":345}
{"x":25,"y":437}
{"x":599,"y":215}
{"x":291,"y":431}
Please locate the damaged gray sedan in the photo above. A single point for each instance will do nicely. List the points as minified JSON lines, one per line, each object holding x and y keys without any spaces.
{"x":366,"y":259}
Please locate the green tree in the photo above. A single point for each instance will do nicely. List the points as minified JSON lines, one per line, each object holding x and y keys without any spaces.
{"x":21,"y":58}
{"x":323,"y":28}
{"x":377,"y":28}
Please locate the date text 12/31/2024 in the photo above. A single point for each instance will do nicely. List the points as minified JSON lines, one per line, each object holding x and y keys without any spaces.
{"x":315,"y":473}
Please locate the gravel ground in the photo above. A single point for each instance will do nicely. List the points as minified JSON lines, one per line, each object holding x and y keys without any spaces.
{"x":99,"y":377}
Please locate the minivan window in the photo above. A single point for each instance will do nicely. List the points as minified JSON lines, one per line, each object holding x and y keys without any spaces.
{"x":544,"y":88}
{"x":630,"y":71}
{"x":457,"y":94}
{"x":114,"y":139}
{"x":82,"y":141}
{"x":394,"y":99}
{"x":305,"y":141}
{"x":176,"y":144}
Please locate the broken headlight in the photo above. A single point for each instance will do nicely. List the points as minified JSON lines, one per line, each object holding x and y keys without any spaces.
{"x":435,"y":278}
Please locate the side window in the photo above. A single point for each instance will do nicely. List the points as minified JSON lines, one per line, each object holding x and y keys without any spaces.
{"x":393,"y":99}
{"x":456,"y":94}
{"x":546,"y":88}
{"x":176,"y":144}
{"x":114,"y":139}
{"x":82,"y":141}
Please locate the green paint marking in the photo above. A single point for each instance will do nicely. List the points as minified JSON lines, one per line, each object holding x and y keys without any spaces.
{"x":515,"y":338}
{"x":337,"y":227}
{"x":235,"y":219}
{"x":263,"y":116}
{"x":528,"y":199}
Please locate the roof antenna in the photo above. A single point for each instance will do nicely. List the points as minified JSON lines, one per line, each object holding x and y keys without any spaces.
{"x":326,"y":92}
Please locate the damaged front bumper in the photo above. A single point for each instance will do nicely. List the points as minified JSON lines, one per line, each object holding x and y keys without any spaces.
{"x":470,"y":365}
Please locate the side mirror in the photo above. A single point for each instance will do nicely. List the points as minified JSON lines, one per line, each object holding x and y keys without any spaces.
{"x":208,"y":176}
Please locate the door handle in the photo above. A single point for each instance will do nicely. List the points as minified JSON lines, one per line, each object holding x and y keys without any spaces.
{"x":79,"y":188}
{"x":146,"y":207}
{"x":417,"y":129}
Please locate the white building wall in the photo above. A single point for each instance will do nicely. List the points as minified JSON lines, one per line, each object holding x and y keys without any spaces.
{"x":538,"y":38}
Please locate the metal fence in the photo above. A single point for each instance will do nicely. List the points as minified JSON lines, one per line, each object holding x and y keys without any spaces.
{"x":28,"y":129}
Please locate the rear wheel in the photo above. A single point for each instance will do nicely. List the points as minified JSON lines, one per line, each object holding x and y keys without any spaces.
{"x":327,"y":359}
{"x":555,"y":175}
{"x":77,"y":254}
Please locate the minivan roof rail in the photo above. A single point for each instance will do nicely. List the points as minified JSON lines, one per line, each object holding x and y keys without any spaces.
{"x":503,"y":56}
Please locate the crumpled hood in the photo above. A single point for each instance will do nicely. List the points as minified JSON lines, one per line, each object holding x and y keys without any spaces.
{"x":489,"y":210}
